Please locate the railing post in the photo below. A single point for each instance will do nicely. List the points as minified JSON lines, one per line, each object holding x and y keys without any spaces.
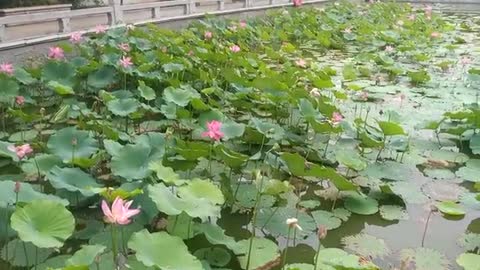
{"x":247,"y":3}
{"x":221,"y":4}
{"x":2,"y":32}
{"x":117,"y":11}
{"x":156,"y":12}
{"x":64,"y":25}
{"x":191,"y":7}
{"x":271,"y":2}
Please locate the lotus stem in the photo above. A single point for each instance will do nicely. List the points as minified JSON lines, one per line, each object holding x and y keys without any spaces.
{"x":6,"y":236}
{"x":114,"y":244}
{"x":210,"y":159}
{"x":122,"y":235}
{"x":25,"y":251}
{"x":326,"y":146}
{"x":36,"y":257}
{"x":254,"y":219}
{"x":126,"y":124}
{"x":318,"y":254}
{"x":285,"y":252}
{"x":426,"y":227}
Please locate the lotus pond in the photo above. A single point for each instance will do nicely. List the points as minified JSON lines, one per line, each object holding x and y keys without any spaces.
{"x":337,"y":138}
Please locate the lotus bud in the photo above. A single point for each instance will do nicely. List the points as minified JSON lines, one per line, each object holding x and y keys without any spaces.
{"x":17,"y":187}
{"x":322,"y":232}
{"x":74,"y":141}
{"x":42,"y":111}
{"x":293,"y":223}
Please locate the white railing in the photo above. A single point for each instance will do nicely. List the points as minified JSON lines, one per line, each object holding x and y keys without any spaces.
{"x":114,"y":15}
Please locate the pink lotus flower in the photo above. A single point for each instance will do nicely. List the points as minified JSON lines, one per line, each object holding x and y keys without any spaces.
{"x":213,"y":130}
{"x":297,"y":3}
{"x":435,"y":35}
{"x":336,"y":118}
{"x":126,"y":62}
{"x":465,"y":61}
{"x":120,"y":213}
{"x":124,"y":47}
{"x":428,"y":8}
{"x":208,"y":35}
{"x":363,"y":96}
{"x":56,"y":53}
{"x":21,"y":151}
{"x":100,"y":29}
{"x":243,"y":24}
{"x":16,"y":189}
{"x":20,"y":100}
{"x":301,"y":63}
{"x":6,"y":68}
{"x":235,"y":48}
{"x":76,"y":37}
{"x":190,"y":53}
{"x":389,"y":49}
{"x":412,"y":17}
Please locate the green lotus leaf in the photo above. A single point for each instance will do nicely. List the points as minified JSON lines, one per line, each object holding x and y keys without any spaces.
{"x":60,"y":88}
{"x":146,"y":245}
{"x":361,"y":204}
{"x":70,"y":142}
{"x":201,"y":189}
{"x":274,"y":220}
{"x":231,"y":158}
{"x":194,"y":206}
{"x":334,"y":258}
{"x":180,"y":96}
{"x":73,"y":179}
{"x":132,"y":162}
{"x":475,"y":144}
{"x":45,"y":163}
{"x":102,"y":77}
{"x":309,"y":204}
{"x":425,"y":258}
{"x":24,"y":135}
{"x":469,"y":241}
{"x":47,"y":224}
{"x":123,"y":106}
{"x":391,"y":128}
{"x":268,"y":129}
{"x":450,"y":208}
{"x":471,"y":171}
{"x":16,"y":253}
{"x":182,"y":226}
{"x":145,"y":91}
{"x":216,"y":236}
{"x":192,"y":150}
{"x":393,"y":212}
{"x":327,"y":219}
{"x":366,"y":245}
{"x":53,"y":263}
{"x":264,"y":252}
{"x":351,"y":159}
{"x":409,"y":193}
{"x":23,"y":76}
{"x":166,"y":174}
{"x":61,"y":72}
{"x":299,"y":167}
{"x":86,"y":255}
{"x":468,"y":261}
{"x":9,"y":88}
{"x":173,"y":67}
{"x":26,"y":194}
{"x":232,"y":130}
